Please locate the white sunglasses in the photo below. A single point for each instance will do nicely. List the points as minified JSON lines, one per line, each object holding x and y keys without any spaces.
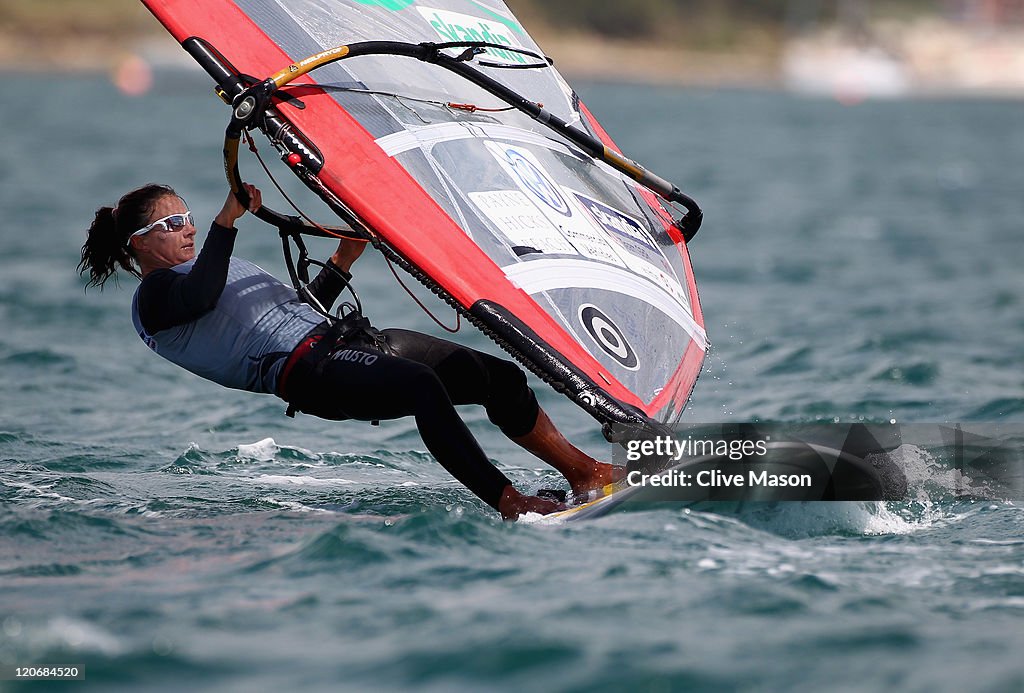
{"x":172,"y":222}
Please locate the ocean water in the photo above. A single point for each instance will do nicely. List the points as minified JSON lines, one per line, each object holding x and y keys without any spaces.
{"x":858,"y":263}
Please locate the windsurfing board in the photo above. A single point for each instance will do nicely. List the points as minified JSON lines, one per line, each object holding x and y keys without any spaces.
{"x":612,"y":497}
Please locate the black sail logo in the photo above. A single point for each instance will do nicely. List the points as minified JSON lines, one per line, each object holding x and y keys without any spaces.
{"x":609,"y":337}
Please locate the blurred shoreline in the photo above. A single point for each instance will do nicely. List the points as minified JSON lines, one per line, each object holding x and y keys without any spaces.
{"x":920,"y":56}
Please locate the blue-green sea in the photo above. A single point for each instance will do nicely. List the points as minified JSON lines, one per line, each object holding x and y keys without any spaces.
{"x":858,"y":263}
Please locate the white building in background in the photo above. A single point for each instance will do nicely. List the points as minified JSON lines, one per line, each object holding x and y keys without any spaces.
{"x":969,"y":47}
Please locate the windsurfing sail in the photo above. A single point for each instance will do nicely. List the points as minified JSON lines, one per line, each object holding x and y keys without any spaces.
{"x":439,"y":128}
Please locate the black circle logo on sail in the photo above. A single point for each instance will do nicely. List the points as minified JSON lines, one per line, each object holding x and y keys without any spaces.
{"x":609,"y":337}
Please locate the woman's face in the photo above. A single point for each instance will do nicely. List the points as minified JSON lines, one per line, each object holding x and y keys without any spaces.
{"x":162,"y":246}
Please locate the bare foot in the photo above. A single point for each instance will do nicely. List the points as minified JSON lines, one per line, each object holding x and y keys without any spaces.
{"x":513,"y":504}
{"x":584,"y":473}
{"x":596,"y":478}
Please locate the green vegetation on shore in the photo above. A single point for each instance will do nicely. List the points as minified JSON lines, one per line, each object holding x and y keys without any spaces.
{"x":66,"y":18}
{"x":720,"y":38}
{"x":703,"y":24}
{"x":710,"y":23}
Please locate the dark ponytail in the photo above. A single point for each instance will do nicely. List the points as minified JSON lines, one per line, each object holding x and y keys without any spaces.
{"x":107,"y":247}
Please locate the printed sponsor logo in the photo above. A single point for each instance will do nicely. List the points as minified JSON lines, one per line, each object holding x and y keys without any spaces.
{"x":507,"y":21}
{"x":455,"y":27}
{"x":527,"y":171}
{"x":393,"y":5}
{"x":608,"y":336}
{"x":637,"y":246}
{"x":535,"y":181}
{"x":360,"y":357}
{"x":519,"y":220}
{"x":614,"y":221}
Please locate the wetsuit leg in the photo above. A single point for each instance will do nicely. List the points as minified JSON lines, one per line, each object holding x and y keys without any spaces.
{"x":367,"y":385}
{"x":473,"y":377}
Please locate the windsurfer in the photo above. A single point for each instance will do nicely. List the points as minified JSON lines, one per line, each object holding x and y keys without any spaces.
{"x":229,"y":321}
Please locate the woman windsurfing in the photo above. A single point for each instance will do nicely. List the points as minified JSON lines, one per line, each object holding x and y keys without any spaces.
{"x":227,"y":320}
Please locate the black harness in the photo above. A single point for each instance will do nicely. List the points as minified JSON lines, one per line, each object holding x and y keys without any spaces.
{"x":349,"y":330}
{"x":322,"y":344}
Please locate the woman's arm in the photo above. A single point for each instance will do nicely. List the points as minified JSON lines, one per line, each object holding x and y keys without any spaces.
{"x":332,"y":280}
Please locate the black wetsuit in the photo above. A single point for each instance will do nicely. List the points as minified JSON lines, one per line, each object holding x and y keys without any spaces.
{"x":414,"y":375}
